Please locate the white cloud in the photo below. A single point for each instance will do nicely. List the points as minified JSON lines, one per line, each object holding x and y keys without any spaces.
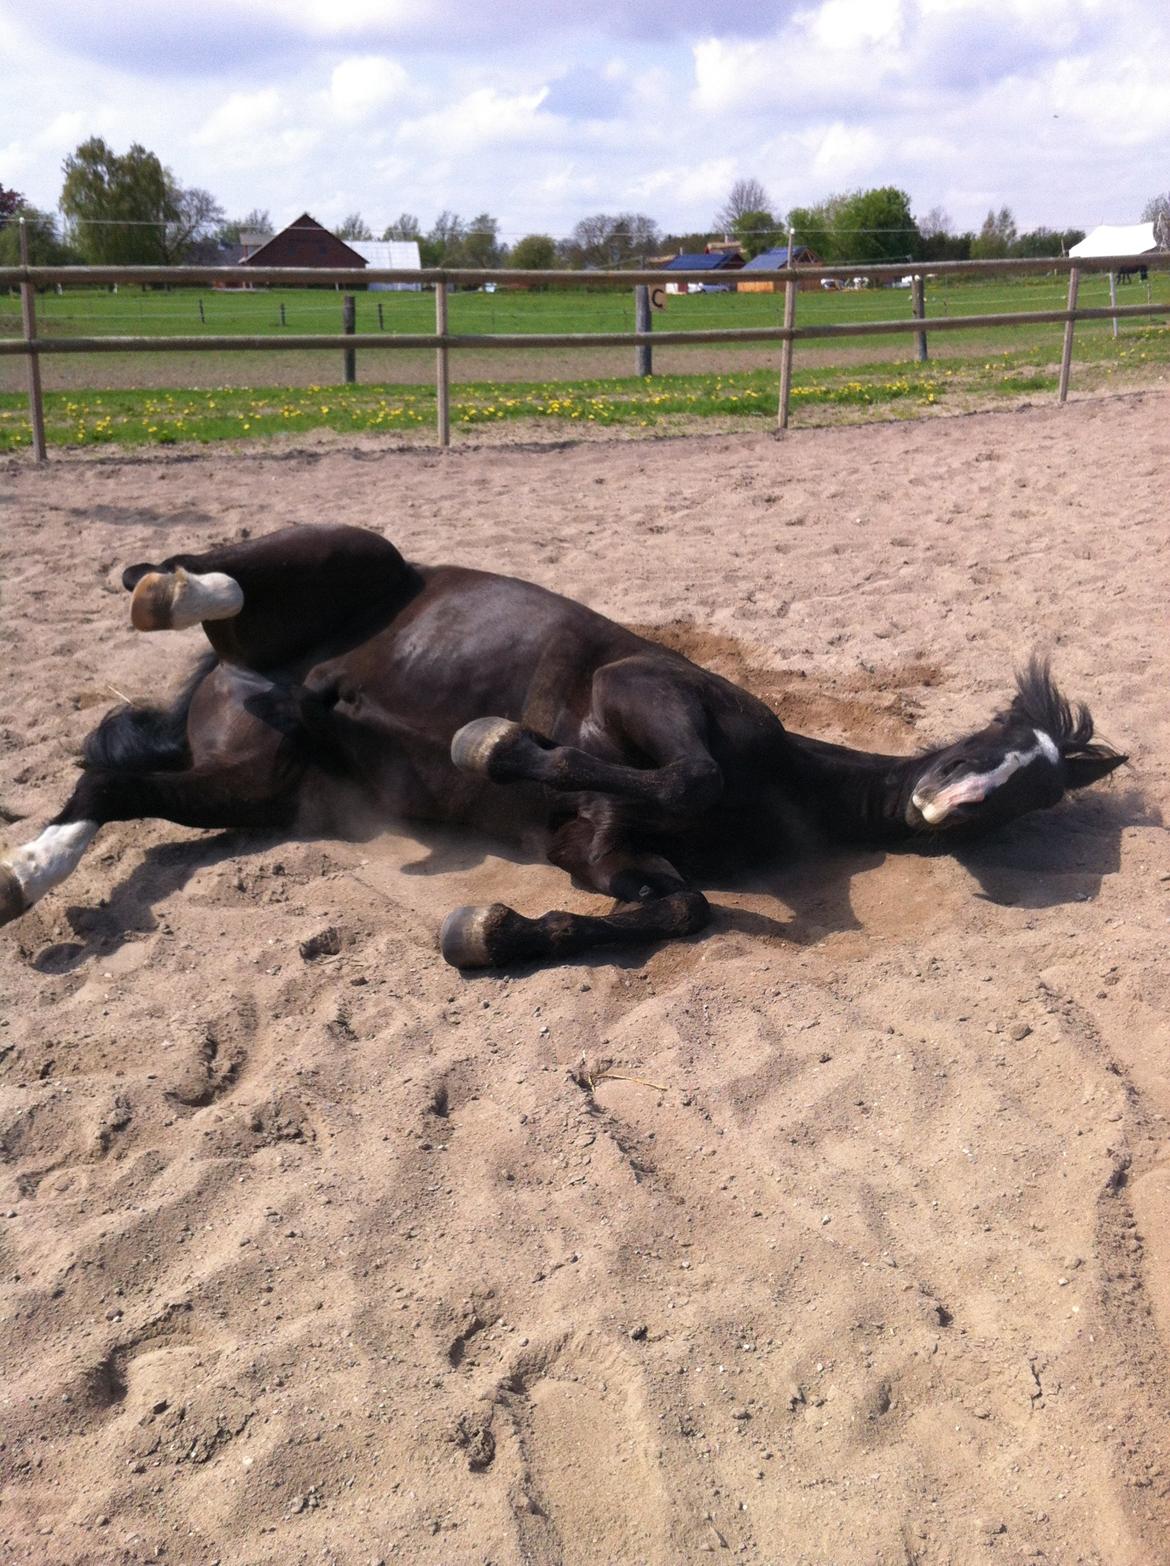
{"x":364,"y":85}
{"x":241,"y":115}
{"x":483,"y":118}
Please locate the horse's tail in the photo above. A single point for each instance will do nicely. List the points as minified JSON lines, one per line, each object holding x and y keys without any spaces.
{"x":134,"y":738}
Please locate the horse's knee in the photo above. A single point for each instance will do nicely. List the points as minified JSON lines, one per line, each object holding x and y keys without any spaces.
{"x":692,"y":786}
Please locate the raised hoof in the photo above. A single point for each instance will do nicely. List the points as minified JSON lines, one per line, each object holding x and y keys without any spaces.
{"x":174,"y":600}
{"x":465,"y":939}
{"x":477,"y":743}
{"x":11,"y":896}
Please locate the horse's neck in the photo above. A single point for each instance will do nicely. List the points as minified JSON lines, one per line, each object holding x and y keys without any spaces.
{"x":854,"y":794}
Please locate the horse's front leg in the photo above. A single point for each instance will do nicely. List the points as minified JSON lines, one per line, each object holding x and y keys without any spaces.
{"x":593,"y":846}
{"x":247,"y":794}
{"x":639,"y":707}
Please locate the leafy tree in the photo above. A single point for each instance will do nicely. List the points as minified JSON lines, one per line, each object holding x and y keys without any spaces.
{"x":480,"y":244}
{"x":121,"y":204}
{"x":45,"y":246}
{"x":404,"y":226}
{"x":815,"y":227}
{"x":442,"y":245}
{"x":937,"y":242}
{"x":756,"y":231}
{"x":996,"y":238}
{"x":533,"y":253}
{"x":877,"y":225}
{"x":1039,"y":242}
{"x":745,"y":198}
{"x":354,"y":226}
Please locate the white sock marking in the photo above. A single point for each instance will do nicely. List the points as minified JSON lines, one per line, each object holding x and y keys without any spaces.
{"x":212,"y":596}
{"x":45,"y":862}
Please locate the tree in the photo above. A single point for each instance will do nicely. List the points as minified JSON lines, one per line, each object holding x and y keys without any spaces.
{"x":937,"y":242}
{"x":441,"y":246}
{"x":608,"y":241}
{"x":121,"y":204}
{"x":533,"y":253}
{"x":1157,"y":212}
{"x":480,"y":244}
{"x":10,"y":202}
{"x":996,"y":238}
{"x":45,"y":246}
{"x":746,"y":196}
{"x":815,"y":228}
{"x":1039,"y":242}
{"x":756,"y":231}
{"x":404,"y":226}
{"x":258,"y":221}
{"x":877,"y":225}
{"x":354,"y":227}
{"x":194,"y":232}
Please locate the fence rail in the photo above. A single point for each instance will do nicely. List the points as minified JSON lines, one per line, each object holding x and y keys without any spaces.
{"x":33,"y":346}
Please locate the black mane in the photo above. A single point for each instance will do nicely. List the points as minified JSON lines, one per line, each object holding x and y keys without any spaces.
{"x":1038,"y":700}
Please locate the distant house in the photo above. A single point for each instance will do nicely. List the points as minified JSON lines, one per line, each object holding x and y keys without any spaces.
{"x":399,"y":255}
{"x":304,"y":243}
{"x":772,"y":261}
{"x":710,"y":261}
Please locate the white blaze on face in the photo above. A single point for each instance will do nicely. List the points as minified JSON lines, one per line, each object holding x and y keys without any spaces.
{"x":975,"y":786}
{"x":45,"y":862}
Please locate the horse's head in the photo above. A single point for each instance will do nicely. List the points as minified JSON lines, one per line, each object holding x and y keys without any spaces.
{"x":1025,"y":759}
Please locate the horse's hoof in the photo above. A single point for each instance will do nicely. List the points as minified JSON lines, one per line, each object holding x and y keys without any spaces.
{"x":477,"y":743}
{"x":465,"y":939}
{"x":11,"y":896}
{"x":174,"y":600}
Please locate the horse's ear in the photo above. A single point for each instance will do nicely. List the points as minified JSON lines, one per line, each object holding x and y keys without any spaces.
{"x":1090,"y":767}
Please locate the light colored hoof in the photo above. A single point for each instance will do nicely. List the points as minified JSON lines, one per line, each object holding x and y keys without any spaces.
{"x":174,"y":600}
{"x":477,"y":742}
{"x":465,"y":937}
{"x":12,"y":903}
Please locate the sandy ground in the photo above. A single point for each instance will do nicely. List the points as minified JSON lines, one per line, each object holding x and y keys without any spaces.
{"x":860,"y":1254}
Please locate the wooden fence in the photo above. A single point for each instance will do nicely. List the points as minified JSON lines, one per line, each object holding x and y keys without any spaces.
{"x":442,"y":340}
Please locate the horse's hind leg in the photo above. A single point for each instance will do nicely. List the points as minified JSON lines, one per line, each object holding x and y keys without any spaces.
{"x":594,"y":849}
{"x":266,"y":601}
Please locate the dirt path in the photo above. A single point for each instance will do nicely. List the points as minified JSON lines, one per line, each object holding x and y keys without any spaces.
{"x":857,"y":1248}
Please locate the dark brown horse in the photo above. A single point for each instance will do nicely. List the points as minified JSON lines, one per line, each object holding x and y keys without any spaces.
{"x":341,"y":675}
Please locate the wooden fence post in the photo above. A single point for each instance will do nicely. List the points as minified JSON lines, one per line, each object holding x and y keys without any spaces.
{"x":786,"y":347}
{"x":643,"y":353}
{"x":1074,"y":282}
{"x":918,"y":309}
{"x":348,"y":326}
{"x":442,"y":384}
{"x":28,"y":311}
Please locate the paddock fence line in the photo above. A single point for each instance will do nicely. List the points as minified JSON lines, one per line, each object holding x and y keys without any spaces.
{"x":31,"y":345}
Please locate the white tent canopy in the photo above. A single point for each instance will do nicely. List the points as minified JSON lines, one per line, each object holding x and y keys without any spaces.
{"x":390,"y":254}
{"x":1117,"y":239}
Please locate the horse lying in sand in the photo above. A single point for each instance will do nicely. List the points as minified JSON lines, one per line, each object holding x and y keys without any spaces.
{"x":342,"y":674}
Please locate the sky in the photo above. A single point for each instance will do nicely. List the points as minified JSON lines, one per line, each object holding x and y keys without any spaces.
{"x":541,"y":112}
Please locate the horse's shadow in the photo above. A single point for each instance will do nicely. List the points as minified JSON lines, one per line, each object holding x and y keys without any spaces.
{"x":1040,"y":861}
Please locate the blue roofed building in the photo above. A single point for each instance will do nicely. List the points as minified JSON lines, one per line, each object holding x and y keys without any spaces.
{"x":771,"y":261}
{"x":704,"y":261}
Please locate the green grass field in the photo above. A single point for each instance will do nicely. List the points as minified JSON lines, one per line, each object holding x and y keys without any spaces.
{"x":107,"y":399}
